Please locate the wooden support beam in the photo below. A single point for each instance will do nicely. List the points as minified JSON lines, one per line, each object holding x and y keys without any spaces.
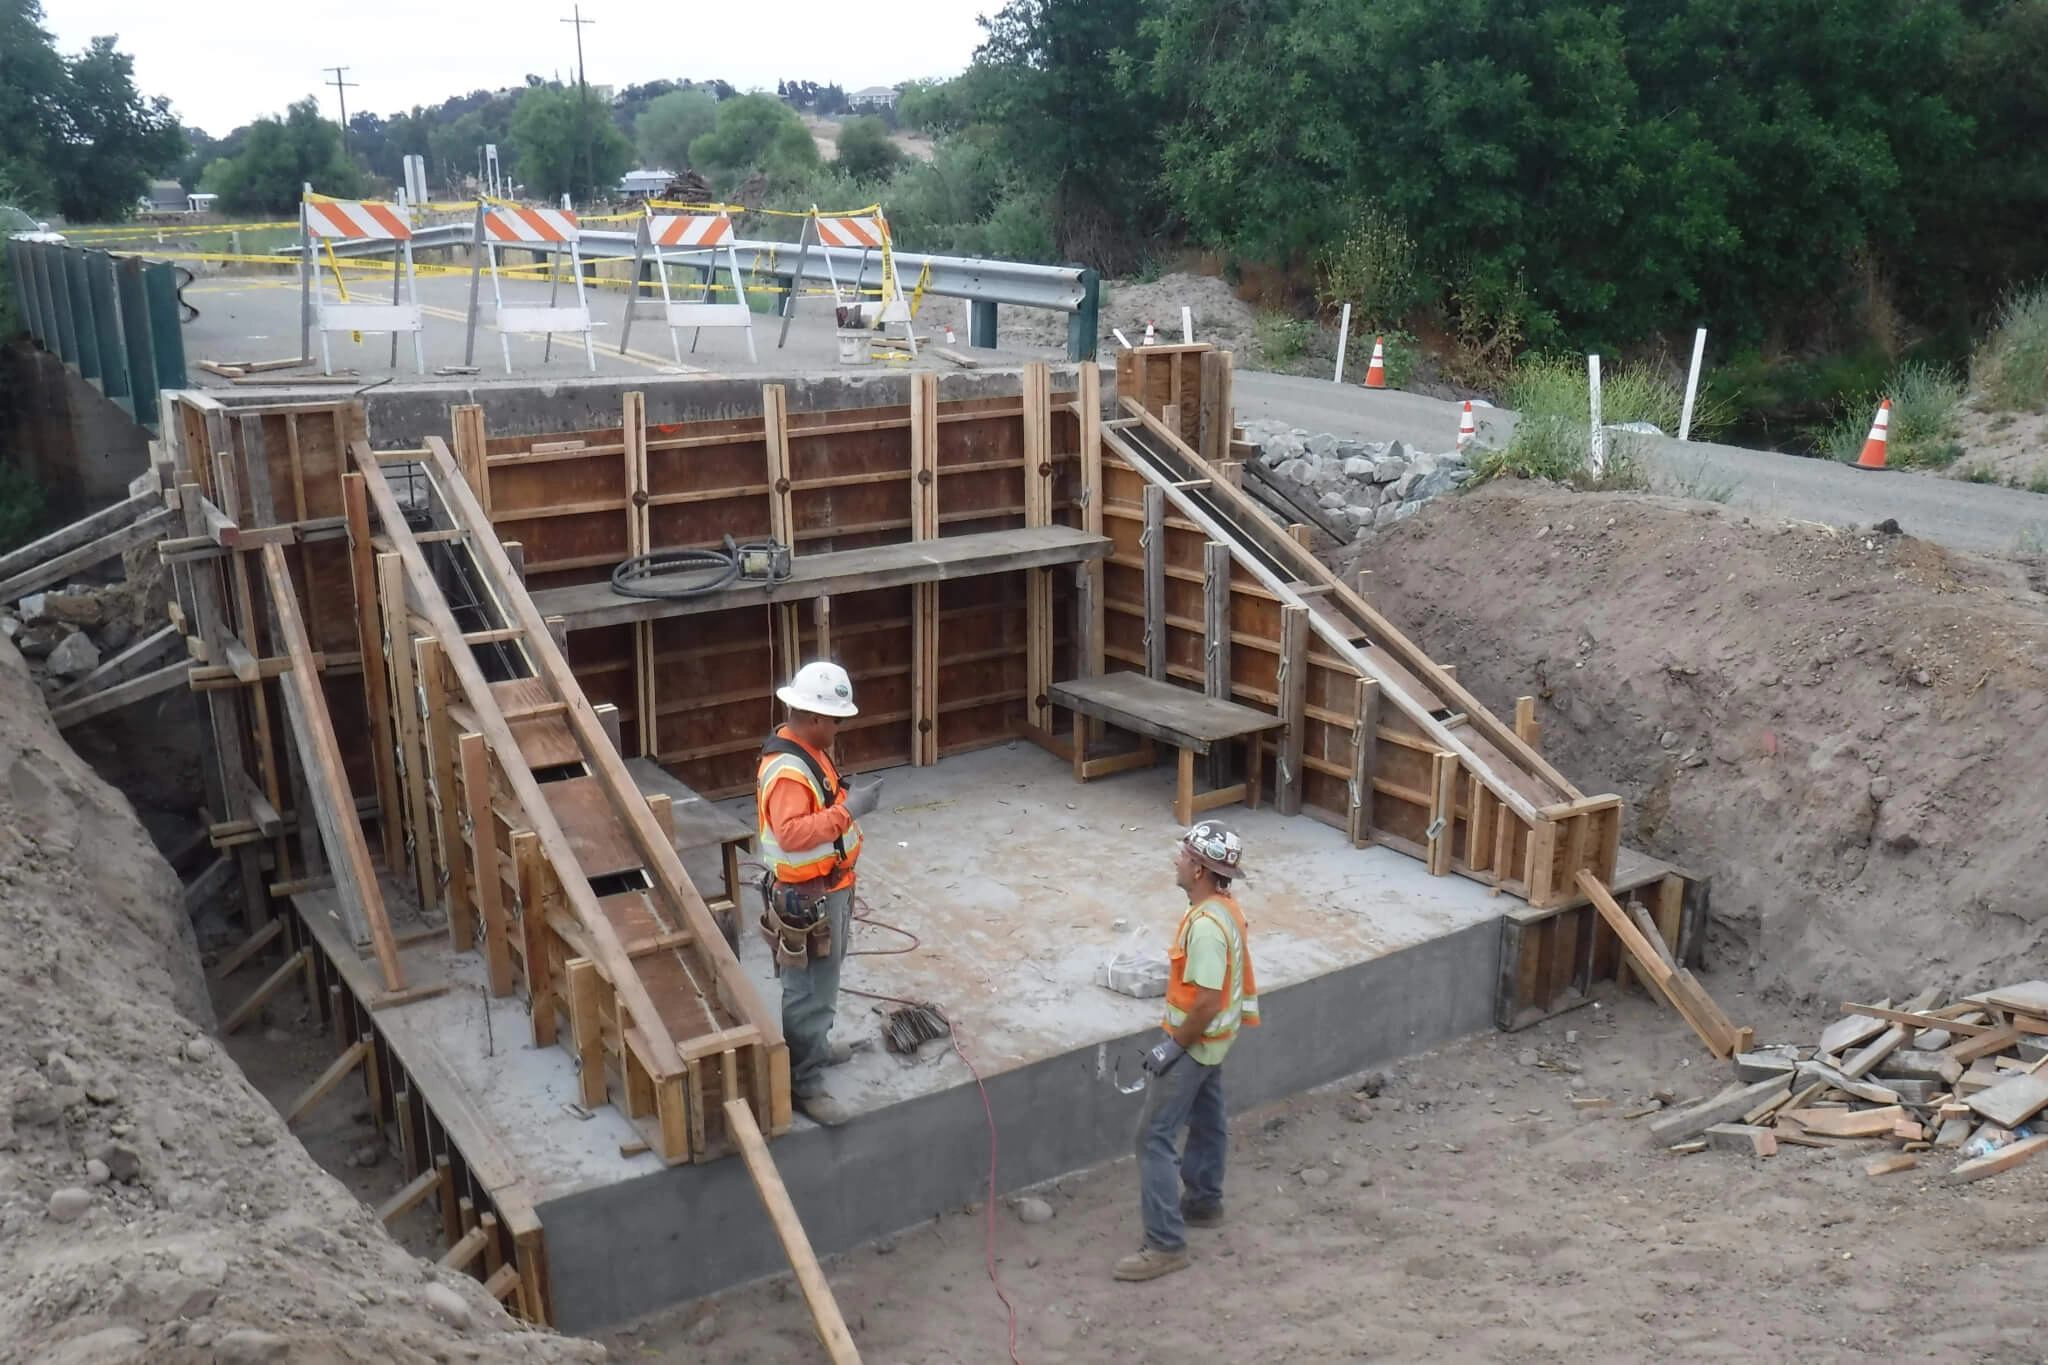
{"x":326,"y":1081}
{"x":483,"y":846}
{"x":1216,"y":644}
{"x":249,"y":947}
{"x":448,"y":882}
{"x":119,"y":695}
{"x":1153,"y":543}
{"x":498,"y":734}
{"x":419,"y":1187}
{"x":1678,"y":986}
{"x":333,"y":804}
{"x":1527,"y":728}
{"x":84,"y":531}
{"x":775,"y":428}
{"x":1293,"y":687}
{"x":147,"y":530}
{"x":130,"y":663}
{"x":789,"y":1229}
{"x":257,"y":998}
{"x":467,"y":1248}
{"x":370,"y":643}
{"x":1443,"y":807}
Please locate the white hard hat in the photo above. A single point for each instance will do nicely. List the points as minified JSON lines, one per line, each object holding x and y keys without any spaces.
{"x":820,"y":687}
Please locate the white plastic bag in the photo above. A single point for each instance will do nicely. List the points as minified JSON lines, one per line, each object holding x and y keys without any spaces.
{"x":1133,"y":970}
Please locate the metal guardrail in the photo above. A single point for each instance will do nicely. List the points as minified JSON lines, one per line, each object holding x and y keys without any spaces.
{"x":983,"y":282}
{"x":112,"y":319}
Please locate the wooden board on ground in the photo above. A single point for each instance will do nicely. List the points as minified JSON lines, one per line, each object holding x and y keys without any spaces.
{"x":1847,"y":1123}
{"x":2028,"y":997}
{"x":2011,"y":1103}
{"x":2004,"y":1159}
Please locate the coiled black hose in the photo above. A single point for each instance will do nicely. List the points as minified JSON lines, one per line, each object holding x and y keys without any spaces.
{"x":688,"y":573}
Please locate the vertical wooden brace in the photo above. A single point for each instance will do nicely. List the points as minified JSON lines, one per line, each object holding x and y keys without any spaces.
{"x":1293,"y":687}
{"x":1365,"y":742}
{"x":1154,"y":543}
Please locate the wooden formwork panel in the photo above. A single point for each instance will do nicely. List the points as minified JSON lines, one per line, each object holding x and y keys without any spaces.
{"x":1551,"y":959}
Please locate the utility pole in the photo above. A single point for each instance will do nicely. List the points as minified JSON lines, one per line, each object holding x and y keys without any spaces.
{"x":583,"y":87}
{"x":341,"y":87}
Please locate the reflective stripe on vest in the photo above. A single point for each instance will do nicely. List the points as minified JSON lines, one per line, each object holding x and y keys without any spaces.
{"x":1240,"y":982}
{"x":791,"y":866}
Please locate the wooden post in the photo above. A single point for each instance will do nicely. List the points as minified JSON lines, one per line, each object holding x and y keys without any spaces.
{"x":1527,"y":728}
{"x":1089,"y":604}
{"x":1365,"y":743}
{"x":775,"y":419}
{"x":467,"y":423}
{"x":1216,"y":644}
{"x":376,"y":683}
{"x":412,"y":753}
{"x":1293,"y":688}
{"x":1154,"y":541}
{"x":440,"y":780}
{"x":1443,"y":812}
{"x":924,"y":597}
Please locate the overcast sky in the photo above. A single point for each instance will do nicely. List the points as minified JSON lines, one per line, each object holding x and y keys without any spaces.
{"x":221,"y":71}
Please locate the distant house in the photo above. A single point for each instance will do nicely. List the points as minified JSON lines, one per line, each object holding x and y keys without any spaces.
{"x":874,"y":97}
{"x":644,"y":184}
{"x":166,"y":196}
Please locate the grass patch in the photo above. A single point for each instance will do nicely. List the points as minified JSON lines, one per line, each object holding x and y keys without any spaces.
{"x":1977,"y":473}
{"x":1700,"y":484}
{"x":1553,"y":434}
{"x":1926,"y":402}
{"x":1283,"y":340}
{"x":2039,"y":483}
{"x":2011,"y":367}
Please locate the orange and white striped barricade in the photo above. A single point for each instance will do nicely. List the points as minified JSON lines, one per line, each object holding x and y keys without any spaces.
{"x":326,"y":221}
{"x":701,"y":235}
{"x":554,"y":231}
{"x":867,"y":233}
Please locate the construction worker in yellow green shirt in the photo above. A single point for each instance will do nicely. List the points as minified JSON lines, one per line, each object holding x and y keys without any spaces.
{"x":1211,"y":991}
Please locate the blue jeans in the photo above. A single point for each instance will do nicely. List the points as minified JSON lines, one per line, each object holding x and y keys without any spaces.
{"x":809,"y":996}
{"x":1188,"y":1096}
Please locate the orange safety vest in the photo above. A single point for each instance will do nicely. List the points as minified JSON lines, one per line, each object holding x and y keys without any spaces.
{"x":794,"y":866}
{"x":1240,"y":983}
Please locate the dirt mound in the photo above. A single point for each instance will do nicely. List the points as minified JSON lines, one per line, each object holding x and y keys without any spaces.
{"x":1221,"y":317}
{"x":152,"y":1206}
{"x":1844,"y":729}
{"x":2003,"y":447}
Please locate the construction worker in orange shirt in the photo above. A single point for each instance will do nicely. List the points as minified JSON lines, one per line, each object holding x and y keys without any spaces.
{"x":1210,"y":992}
{"x":810,"y":842}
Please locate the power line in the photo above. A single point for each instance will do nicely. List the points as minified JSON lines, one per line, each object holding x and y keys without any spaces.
{"x":341,"y":87}
{"x":583,"y":87}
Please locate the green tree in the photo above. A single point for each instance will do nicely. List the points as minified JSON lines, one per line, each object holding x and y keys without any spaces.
{"x":755,"y":133}
{"x":865,"y":149}
{"x":32,"y":82}
{"x":1065,"y":121}
{"x":115,"y":140}
{"x":567,"y":145}
{"x":278,"y":158}
{"x":670,"y":123}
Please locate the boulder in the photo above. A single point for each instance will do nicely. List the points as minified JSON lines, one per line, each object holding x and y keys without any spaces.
{"x":116,"y":634}
{"x":75,"y":657}
{"x":1331,"y":500}
{"x":1322,"y":445}
{"x":37,"y":641}
{"x":1439,"y":482}
{"x":1297,"y":469}
{"x":1359,"y":516}
{"x":1357,"y":467}
{"x":1404,"y":487}
{"x":1389,"y":469}
{"x":74,"y":606}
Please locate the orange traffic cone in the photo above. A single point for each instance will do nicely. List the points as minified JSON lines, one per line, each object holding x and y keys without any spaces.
{"x":1376,"y":373}
{"x":1467,"y":432}
{"x":1874,"y":444}
{"x":1151,"y":337}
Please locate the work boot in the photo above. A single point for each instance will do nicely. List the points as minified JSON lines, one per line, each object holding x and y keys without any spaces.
{"x":838,"y":1053}
{"x":1201,"y":1216}
{"x":823,"y":1109}
{"x":1149,"y":1263}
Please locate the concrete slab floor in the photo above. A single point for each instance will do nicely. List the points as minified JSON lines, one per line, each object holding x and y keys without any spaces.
{"x":1018,"y":883}
{"x":244,"y":317}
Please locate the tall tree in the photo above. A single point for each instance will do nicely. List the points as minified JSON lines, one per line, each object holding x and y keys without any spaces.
{"x":755,"y":132}
{"x":32,"y":81}
{"x":559,"y":153}
{"x":865,"y":149}
{"x":668,"y":126}
{"x":1067,"y":122}
{"x":279,"y":157}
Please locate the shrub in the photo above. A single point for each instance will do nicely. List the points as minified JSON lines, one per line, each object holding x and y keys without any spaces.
{"x":1553,"y":431}
{"x":1926,"y":405}
{"x":2011,"y":367}
{"x":1283,"y":339}
{"x":1372,"y":268}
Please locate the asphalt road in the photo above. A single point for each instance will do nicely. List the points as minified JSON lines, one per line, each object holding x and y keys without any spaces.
{"x":1962,"y":516}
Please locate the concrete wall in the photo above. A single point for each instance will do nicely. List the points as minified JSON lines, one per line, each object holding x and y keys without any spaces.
{"x":624,"y":1250}
{"x":81,"y":445}
{"x":404,"y":415}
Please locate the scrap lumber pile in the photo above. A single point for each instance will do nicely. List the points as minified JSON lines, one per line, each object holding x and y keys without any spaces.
{"x":1905,"y":1082}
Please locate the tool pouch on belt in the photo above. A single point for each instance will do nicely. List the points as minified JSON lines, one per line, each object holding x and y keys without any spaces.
{"x":794,"y":924}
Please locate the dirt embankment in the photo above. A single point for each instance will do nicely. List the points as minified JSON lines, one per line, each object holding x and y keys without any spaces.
{"x":152,"y":1206}
{"x":1846,"y":730}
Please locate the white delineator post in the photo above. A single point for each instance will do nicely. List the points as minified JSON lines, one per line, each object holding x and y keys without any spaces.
{"x":1187,"y":325}
{"x":1692,"y":384}
{"x":1598,"y":463}
{"x":1343,"y":336}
